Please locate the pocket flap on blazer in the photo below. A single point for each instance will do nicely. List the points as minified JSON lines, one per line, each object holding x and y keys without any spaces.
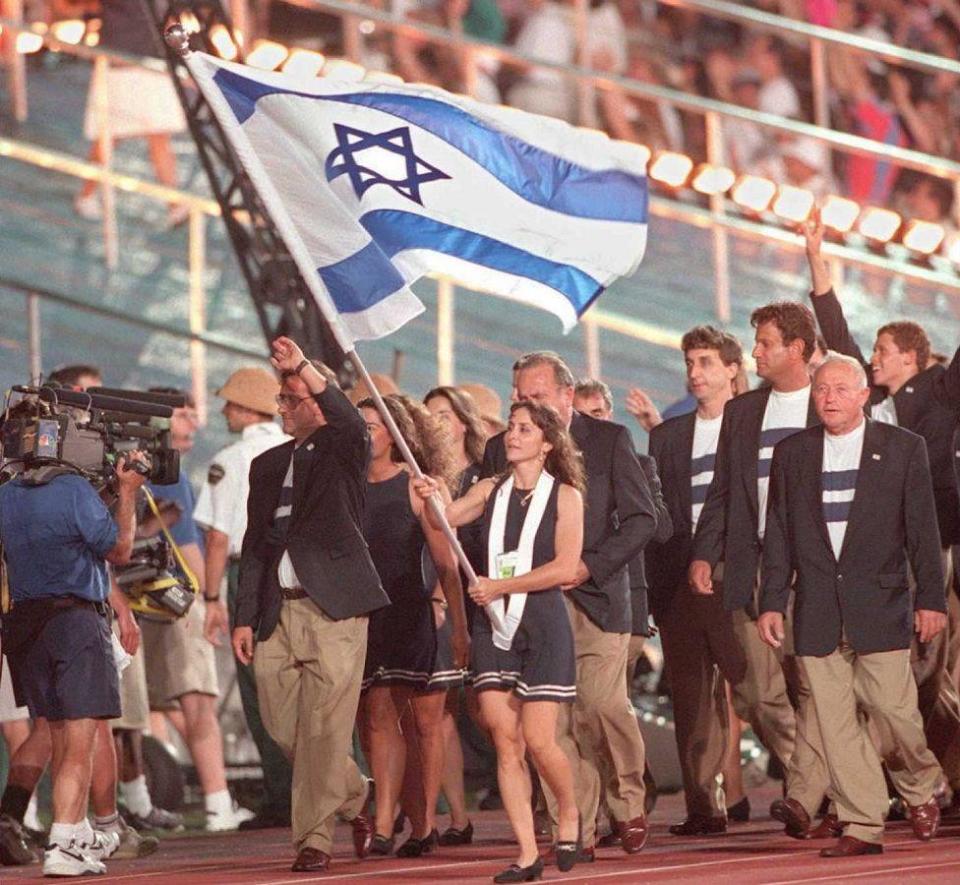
{"x":893,"y":579}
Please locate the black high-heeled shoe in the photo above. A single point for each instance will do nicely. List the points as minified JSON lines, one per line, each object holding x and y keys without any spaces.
{"x":567,"y":855}
{"x":414,"y":847}
{"x":456,"y":836}
{"x":516,"y":873}
{"x":381,"y":845}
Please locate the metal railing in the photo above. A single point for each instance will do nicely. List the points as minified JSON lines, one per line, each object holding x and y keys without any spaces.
{"x":715,"y":217}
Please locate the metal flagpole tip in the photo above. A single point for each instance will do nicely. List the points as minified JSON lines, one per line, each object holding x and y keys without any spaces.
{"x":177,"y":39}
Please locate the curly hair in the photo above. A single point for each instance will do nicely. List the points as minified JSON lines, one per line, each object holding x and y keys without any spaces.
{"x":422,"y":434}
{"x":564,"y":461}
{"x":466,"y":410}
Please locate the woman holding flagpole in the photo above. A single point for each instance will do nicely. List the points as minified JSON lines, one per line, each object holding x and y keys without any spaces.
{"x":522,"y":658}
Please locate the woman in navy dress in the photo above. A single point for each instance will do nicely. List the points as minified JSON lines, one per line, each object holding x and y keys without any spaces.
{"x":522,"y":657}
{"x":459,"y":418}
{"x":401,"y":643}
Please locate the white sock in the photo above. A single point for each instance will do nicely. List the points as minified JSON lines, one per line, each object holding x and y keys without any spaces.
{"x":136,"y":797}
{"x":62,"y":834}
{"x":220,"y":802}
{"x":109,"y":824}
{"x":30,"y":818}
{"x":83,"y":832}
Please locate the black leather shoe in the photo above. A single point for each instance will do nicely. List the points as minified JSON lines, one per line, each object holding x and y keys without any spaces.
{"x":794,"y":817}
{"x":311,"y":860}
{"x":700,"y":825}
{"x":739,"y":812}
{"x":455,"y":836}
{"x":567,"y":855}
{"x":417,"y":847}
{"x":515,"y":873}
{"x":381,"y":845}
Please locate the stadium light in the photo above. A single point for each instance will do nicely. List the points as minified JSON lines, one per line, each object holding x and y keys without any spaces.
{"x":29,"y":42}
{"x":671,"y":169}
{"x":304,"y":63}
{"x":793,"y":203}
{"x":223,"y":42}
{"x":923,"y":237}
{"x":879,"y":225}
{"x":189,"y":22}
{"x":267,"y":55}
{"x":711,"y":180}
{"x":753,"y":193}
{"x":69,"y":31}
{"x":839,"y":213}
{"x":345,"y":70}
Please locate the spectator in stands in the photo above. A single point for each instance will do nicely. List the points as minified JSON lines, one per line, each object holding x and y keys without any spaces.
{"x":547,"y":34}
{"x":802,"y":162}
{"x":926,"y":198}
{"x":745,"y":144}
{"x":132,"y":102}
{"x":777,"y":93}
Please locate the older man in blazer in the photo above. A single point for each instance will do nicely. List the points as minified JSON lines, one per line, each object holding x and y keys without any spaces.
{"x":731,"y":531}
{"x":851,"y":505}
{"x":910,"y":392}
{"x":619,"y":518}
{"x":306,"y":586}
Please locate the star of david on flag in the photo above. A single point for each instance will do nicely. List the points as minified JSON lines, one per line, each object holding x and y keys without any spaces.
{"x":374,"y":184}
{"x":352,"y":142}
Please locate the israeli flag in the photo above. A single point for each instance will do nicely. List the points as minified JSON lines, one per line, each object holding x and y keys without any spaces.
{"x":374,"y":184}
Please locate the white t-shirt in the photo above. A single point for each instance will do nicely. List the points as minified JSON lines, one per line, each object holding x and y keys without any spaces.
{"x":222,"y":504}
{"x":706,"y":435}
{"x":841,"y":461}
{"x":885,"y":411}
{"x":785,"y":415}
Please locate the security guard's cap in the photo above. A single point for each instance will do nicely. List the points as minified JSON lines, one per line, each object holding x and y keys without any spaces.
{"x":253,"y":388}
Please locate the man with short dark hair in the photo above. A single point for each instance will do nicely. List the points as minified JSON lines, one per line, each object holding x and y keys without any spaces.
{"x":593,"y":398}
{"x":619,"y":518}
{"x":731,"y":530}
{"x":57,"y":537}
{"x":306,"y":586}
{"x":700,"y":650}
{"x":851,"y":506}
{"x":76,"y":375}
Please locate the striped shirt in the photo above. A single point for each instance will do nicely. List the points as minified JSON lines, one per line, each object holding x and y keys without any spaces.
{"x":785,"y":415}
{"x":281,"y":522}
{"x":841,"y":462}
{"x":706,"y":435}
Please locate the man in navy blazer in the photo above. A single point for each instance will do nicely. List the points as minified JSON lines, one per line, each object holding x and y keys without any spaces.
{"x":851,"y":506}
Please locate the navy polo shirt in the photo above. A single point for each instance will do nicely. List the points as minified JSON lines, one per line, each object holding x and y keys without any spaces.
{"x":56,"y":537}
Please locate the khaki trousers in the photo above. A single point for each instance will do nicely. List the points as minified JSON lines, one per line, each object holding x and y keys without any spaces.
{"x":308,"y":682}
{"x":882,"y":685}
{"x":774,"y":697}
{"x":937,"y":691}
{"x":600,"y":733}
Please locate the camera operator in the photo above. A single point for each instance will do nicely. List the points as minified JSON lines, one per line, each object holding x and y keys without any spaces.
{"x":57,"y":536}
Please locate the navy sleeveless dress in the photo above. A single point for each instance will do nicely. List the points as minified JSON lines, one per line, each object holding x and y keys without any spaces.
{"x":401,"y":641}
{"x":541,"y":663}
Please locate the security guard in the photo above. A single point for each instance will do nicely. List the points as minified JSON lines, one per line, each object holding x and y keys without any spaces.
{"x":250,"y":408}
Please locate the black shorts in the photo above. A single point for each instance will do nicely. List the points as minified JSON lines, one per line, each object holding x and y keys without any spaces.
{"x":68,"y":671}
{"x":540,"y":664}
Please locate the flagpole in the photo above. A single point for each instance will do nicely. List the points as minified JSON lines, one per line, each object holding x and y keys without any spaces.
{"x":178,"y":40}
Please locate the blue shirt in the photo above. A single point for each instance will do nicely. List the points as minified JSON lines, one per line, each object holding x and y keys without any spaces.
{"x":184,"y":530}
{"x":55,"y":537}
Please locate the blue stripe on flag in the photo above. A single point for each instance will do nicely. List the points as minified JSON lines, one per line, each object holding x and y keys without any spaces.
{"x":532,"y":173}
{"x":361,"y":280}
{"x":394,"y":231}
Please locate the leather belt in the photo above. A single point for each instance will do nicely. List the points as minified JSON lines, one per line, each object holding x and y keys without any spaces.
{"x":293,"y":593}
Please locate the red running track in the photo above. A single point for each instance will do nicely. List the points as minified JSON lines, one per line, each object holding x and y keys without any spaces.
{"x":749,"y":854}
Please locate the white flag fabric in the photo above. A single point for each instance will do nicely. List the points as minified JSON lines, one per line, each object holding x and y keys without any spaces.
{"x":374,"y":184}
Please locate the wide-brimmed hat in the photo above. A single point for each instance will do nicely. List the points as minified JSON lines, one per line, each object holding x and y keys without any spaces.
{"x":253,"y":388}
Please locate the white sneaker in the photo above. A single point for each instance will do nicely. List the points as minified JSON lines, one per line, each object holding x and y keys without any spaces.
{"x":223,"y":821}
{"x":104,"y":844}
{"x":72,"y":861}
{"x":88,"y":206}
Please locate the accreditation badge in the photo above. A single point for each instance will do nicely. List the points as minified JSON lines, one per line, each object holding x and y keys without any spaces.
{"x":507,"y":564}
